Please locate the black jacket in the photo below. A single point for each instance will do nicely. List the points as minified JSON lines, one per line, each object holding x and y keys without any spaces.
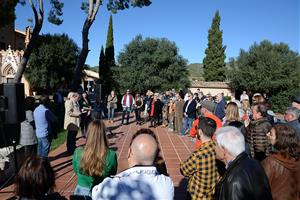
{"x":191,"y":111}
{"x":244,"y":179}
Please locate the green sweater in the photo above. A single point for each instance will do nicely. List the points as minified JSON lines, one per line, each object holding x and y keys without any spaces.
{"x":86,"y":181}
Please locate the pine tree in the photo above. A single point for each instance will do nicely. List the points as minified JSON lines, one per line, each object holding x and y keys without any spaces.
{"x":102,"y":66}
{"x":214,"y":62}
{"x":109,"y":49}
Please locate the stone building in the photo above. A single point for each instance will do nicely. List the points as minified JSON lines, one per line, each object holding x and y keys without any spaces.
{"x":212,"y":87}
{"x":12,"y":45}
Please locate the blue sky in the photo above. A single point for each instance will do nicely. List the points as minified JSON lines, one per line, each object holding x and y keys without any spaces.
{"x":185,"y":22}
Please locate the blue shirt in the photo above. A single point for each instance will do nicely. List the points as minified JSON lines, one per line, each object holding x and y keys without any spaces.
{"x":43,"y":119}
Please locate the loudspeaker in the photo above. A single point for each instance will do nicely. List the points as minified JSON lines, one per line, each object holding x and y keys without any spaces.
{"x":13,"y":114}
{"x":14,"y":92}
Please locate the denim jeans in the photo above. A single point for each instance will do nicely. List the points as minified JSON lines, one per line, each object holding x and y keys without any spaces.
{"x":187,"y":124}
{"x":79,"y":190}
{"x":126,"y":111}
{"x":43,"y":146}
{"x":111,"y":112}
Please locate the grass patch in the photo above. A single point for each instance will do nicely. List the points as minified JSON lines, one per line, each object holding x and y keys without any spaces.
{"x":61,"y":138}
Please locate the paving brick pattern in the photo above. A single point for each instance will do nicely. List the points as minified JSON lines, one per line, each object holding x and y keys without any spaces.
{"x":174,"y":149}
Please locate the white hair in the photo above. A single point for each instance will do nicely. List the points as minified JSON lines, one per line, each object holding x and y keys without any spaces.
{"x":231,"y":139}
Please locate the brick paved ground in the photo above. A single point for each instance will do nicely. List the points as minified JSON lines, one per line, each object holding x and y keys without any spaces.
{"x":173,"y":149}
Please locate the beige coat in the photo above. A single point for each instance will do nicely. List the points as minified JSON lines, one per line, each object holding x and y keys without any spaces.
{"x":72,"y":116}
{"x":112,"y":102}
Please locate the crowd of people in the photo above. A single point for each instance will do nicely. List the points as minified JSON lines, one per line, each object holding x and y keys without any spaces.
{"x":242,"y":150}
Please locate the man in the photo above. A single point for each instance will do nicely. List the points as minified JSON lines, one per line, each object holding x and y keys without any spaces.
{"x":220,"y":106}
{"x":127,"y":103}
{"x":43,"y":118}
{"x":200,"y":167}
{"x":207,"y":109}
{"x":189,"y":113}
{"x":244,"y":96}
{"x":244,"y":177}
{"x":296,"y":103}
{"x":141,"y":180}
{"x":179,"y":103}
{"x":259,"y":144}
{"x":291,"y":116}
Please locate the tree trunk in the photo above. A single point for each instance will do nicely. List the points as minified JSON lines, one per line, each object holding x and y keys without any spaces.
{"x":39,"y":18}
{"x":93,"y":9}
{"x":83,"y":55}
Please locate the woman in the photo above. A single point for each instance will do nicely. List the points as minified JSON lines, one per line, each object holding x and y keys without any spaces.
{"x":28,"y":137}
{"x":86,"y":108}
{"x":112,"y":101}
{"x":283,"y":165}
{"x":36,"y":180}
{"x":72,"y":120}
{"x":95,"y":161}
{"x":138,"y":108}
{"x":247,"y":112}
{"x":231,"y":113}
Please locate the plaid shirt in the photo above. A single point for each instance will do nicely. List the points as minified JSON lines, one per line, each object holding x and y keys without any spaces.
{"x":202,"y":171}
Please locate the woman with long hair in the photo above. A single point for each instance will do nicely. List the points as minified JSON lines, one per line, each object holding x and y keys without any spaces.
{"x":283,"y":165}
{"x":36,"y":180}
{"x":138,"y":108}
{"x":231,"y":113}
{"x":95,"y":161}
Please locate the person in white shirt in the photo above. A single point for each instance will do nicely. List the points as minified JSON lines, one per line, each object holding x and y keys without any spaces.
{"x":244,"y":96}
{"x":142,"y":180}
{"x":127,"y":104}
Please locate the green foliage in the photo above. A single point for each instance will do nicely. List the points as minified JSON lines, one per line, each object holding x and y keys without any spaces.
{"x":267,"y":67}
{"x":151,"y":64}
{"x":115,"y":5}
{"x":55,"y":12}
{"x":214,"y":61}
{"x":52,"y":62}
{"x":102,"y":67}
{"x":109,"y":49}
{"x":7,"y":13}
{"x":61,"y":138}
{"x":195,"y":70}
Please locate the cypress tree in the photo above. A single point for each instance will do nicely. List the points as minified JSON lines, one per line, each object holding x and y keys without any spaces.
{"x":214,"y":61}
{"x":109,"y":49}
{"x":102,"y":66}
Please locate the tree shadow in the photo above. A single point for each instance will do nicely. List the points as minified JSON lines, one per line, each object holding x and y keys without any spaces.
{"x":58,"y":156}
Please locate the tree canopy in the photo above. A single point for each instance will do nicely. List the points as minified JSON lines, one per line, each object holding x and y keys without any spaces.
{"x":91,"y":7}
{"x":151,"y":64}
{"x":270,"y":68}
{"x":52,"y":63}
{"x":214,"y":61}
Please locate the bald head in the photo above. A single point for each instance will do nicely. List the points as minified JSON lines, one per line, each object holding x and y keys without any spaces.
{"x":143,"y":150}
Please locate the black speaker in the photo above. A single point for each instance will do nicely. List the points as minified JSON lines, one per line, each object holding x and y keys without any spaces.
{"x":13,"y":114}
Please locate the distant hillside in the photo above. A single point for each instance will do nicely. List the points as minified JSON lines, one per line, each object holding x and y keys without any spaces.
{"x":95,"y":69}
{"x":195,"y":71}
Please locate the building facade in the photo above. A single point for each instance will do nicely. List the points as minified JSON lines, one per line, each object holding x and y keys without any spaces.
{"x":12,"y":45}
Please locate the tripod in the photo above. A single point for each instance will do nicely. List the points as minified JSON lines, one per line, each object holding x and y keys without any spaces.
{"x":15,"y":163}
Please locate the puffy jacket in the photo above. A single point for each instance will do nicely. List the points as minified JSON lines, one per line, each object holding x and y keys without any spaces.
{"x":244,"y":179}
{"x":257,"y":136}
{"x":284,"y":176}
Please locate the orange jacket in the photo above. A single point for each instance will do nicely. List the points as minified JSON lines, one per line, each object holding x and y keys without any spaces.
{"x":194,"y":129}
